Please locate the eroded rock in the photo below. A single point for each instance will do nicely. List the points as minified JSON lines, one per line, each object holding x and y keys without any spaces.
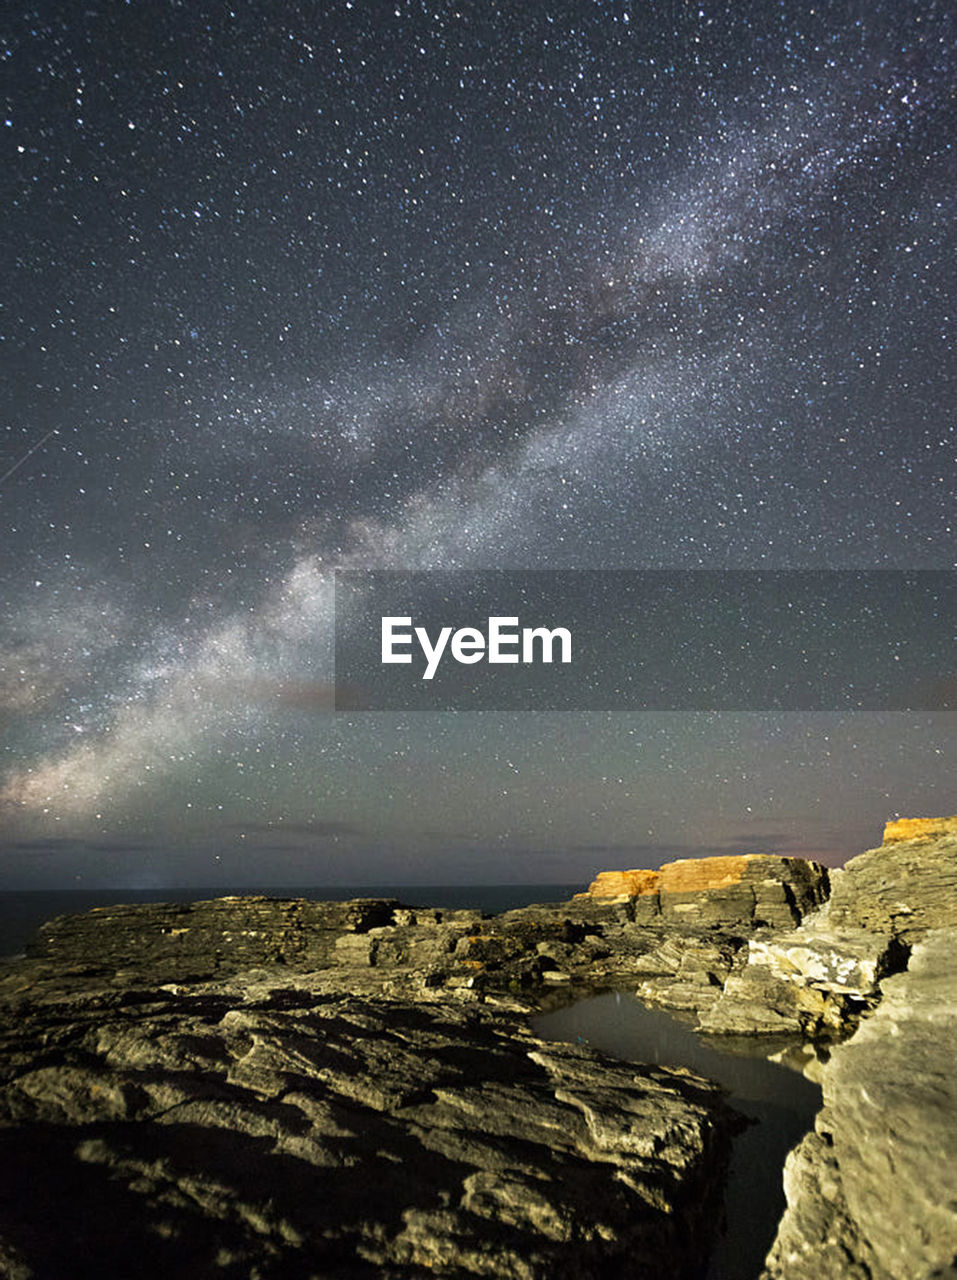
{"x":822,"y":977}
{"x":873,"y":1193}
{"x":905,"y":887}
{"x":195,"y":940}
{"x":257,"y":1127}
{"x":810,"y":981}
{"x":739,"y":890}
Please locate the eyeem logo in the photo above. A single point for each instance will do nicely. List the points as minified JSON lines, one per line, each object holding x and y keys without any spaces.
{"x":469,"y":645}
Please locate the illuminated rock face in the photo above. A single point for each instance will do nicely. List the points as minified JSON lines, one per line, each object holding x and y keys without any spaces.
{"x":919,"y":829}
{"x":622,"y":884}
{"x":729,"y":892}
{"x":905,"y":887}
{"x":689,"y":875}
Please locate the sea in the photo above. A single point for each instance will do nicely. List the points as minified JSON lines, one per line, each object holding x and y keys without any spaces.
{"x":23,"y":911}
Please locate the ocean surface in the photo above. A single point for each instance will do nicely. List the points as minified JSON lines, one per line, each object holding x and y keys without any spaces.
{"x":22,"y":912}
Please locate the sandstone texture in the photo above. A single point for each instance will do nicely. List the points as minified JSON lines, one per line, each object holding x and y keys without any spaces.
{"x":267,"y":1087}
{"x":622,"y":884}
{"x":919,"y":829}
{"x":258,"y":1127}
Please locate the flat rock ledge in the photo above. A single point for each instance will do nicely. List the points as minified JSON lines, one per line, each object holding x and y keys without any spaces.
{"x":260,"y":1127}
{"x":677,"y":937}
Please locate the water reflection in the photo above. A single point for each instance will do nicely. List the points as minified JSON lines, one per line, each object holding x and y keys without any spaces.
{"x":781,"y":1101}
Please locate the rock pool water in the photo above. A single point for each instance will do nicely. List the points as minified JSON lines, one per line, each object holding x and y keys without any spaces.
{"x":780,"y":1101}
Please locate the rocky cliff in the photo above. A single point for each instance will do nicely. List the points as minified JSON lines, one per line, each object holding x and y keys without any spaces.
{"x":678,"y":930}
{"x":744,"y":890}
{"x":872,"y":1192}
{"x":821,"y":977}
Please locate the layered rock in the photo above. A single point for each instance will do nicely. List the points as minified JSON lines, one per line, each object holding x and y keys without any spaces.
{"x":811,"y":981}
{"x":820,"y":978}
{"x":872,"y":1193}
{"x":918,"y":829}
{"x":196,"y":940}
{"x":679,"y":940}
{"x":905,"y":887}
{"x":744,"y":890}
{"x":622,"y":884}
{"x":256,"y":1126}
{"x":687,"y":972}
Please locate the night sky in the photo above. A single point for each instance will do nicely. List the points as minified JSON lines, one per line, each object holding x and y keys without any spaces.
{"x":289,"y":287}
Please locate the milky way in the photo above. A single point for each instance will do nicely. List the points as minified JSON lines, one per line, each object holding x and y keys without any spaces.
{"x":297,"y":287}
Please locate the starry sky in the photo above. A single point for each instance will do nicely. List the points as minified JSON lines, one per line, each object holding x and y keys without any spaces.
{"x":574,"y":284}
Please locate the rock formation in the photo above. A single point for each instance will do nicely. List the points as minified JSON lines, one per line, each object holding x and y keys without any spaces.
{"x":256,"y":1126}
{"x":918,"y":829}
{"x":821,"y":977}
{"x":191,"y":941}
{"x":350,"y":1089}
{"x":872,"y":1191}
{"x":741,"y":890}
{"x":679,"y":938}
{"x":904,"y":888}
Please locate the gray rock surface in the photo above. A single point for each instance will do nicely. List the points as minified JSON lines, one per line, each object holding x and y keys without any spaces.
{"x":196,"y":940}
{"x":152,"y":1066}
{"x":815,"y":981}
{"x":737,"y":891}
{"x":257,"y":1127}
{"x":873,"y":1192}
{"x":381,"y":946}
{"x":820,"y":978}
{"x":902,"y":889}
{"x":680,"y":942}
